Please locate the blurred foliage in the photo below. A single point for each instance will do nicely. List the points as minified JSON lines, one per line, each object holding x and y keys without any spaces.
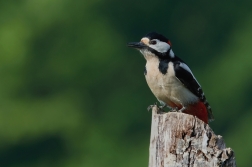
{"x":73,"y":94}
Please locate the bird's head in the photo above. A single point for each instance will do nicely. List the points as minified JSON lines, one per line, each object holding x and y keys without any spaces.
{"x":154,"y":44}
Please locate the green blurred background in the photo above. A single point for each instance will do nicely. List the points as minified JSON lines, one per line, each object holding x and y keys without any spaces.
{"x":73,"y":95}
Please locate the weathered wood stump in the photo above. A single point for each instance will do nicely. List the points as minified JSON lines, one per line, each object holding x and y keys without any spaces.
{"x":179,"y":140}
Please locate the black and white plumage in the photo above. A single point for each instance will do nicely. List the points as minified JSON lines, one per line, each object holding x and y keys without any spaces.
{"x":170,"y":79}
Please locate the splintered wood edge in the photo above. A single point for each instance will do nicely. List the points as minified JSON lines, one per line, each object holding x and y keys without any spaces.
{"x":188,"y":135}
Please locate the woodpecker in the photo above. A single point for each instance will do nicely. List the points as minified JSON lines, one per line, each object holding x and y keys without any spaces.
{"x":170,"y":79}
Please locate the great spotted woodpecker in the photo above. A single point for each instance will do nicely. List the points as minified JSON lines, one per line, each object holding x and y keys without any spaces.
{"x":170,"y":79}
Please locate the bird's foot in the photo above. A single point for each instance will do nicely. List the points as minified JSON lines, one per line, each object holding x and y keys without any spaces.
{"x":182,"y":109}
{"x":161,"y":108}
{"x":151,"y":106}
{"x":175,"y":109}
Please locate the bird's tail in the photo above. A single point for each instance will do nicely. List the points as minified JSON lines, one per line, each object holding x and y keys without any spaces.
{"x":199,"y":110}
{"x":209,"y":111}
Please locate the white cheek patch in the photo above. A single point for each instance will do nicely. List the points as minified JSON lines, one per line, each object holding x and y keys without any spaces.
{"x":160,"y":46}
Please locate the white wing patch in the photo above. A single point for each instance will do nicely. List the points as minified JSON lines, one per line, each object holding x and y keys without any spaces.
{"x":184,"y":66}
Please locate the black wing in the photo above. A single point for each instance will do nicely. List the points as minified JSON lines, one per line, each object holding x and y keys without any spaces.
{"x":184,"y":74}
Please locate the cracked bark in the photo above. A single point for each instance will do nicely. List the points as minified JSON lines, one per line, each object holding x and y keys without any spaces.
{"x":179,"y":140}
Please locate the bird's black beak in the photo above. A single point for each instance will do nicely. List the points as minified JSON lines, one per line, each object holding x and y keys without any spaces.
{"x":137,"y":45}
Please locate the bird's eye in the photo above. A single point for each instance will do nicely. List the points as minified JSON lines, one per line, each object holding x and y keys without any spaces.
{"x":153,"y":42}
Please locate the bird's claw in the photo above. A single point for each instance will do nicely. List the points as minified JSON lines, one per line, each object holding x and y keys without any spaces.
{"x":175,"y":109}
{"x":181,"y":110}
{"x":161,"y":108}
{"x":151,"y":106}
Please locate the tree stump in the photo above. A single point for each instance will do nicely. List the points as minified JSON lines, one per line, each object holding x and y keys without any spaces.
{"x":179,"y":140}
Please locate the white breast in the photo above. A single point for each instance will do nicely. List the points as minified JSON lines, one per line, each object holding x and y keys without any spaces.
{"x":167,"y":88}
